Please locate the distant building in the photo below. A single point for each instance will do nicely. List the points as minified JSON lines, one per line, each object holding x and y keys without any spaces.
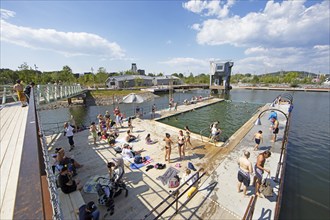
{"x":76,"y":75}
{"x":220,"y":76}
{"x":134,"y":68}
{"x":141,"y":72}
{"x":127,"y":81}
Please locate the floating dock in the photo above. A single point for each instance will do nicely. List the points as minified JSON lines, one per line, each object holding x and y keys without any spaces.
{"x":217,"y":197}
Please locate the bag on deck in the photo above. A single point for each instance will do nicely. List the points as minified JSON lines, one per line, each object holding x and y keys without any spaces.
{"x":174,"y":182}
{"x":266,"y":189}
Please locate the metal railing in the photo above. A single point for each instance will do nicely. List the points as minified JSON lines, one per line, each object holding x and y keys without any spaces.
{"x":250,"y":209}
{"x":7,"y":92}
{"x":177,"y":195}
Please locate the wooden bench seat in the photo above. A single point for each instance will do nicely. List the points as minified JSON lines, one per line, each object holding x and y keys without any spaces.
{"x":70,"y":204}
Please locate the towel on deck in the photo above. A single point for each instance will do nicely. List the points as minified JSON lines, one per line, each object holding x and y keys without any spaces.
{"x":139,"y":165}
{"x":170,"y":173}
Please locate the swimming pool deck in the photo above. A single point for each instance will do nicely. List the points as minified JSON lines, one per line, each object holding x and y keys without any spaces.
{"x":145,"y":192}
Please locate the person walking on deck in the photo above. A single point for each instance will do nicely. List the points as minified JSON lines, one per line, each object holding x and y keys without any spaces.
{"x":69,"y":134}
{"x":257,"y":138}
{"x":259,"y":170}
{"x":244,"y":172}
{"x":18,"y":87}
{"x":153,"y":111}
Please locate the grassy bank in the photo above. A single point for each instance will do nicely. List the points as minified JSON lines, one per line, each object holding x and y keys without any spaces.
{"x":110,"y":93}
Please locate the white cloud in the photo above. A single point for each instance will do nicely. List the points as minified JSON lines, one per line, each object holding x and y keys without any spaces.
{"x":187,"y":64}
{"x":209,"y":8}
{"x":5,"y":14}
{"x":284,"y":24}
{"x":67,"y":43}
{"x":291,"y":58}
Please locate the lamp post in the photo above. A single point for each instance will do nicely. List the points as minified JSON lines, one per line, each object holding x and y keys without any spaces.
{"x":258,"y":122}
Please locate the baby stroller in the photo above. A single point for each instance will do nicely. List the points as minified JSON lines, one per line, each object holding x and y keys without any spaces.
{"x":108,"y":192}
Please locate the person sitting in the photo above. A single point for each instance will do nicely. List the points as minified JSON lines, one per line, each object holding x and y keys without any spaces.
{"x":89,"y":212}
{"x":128,"y":151}
{"x":62,"y":160}
{"x":116,"y":172}
{"x":67,"y":184}
{"x":149,"y":141}
{"x":130,"y":137}
{"x":104,"y":134}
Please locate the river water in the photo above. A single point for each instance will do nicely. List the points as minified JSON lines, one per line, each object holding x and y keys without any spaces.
{"x":307,"y":179}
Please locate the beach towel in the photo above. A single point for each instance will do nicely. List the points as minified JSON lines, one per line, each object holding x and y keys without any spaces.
{"x":90,"y":185}
{"x":135,"y":166}
{"x":169,"y":173}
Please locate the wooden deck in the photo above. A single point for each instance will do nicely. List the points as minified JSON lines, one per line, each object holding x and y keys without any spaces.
{"x":13,"y":123}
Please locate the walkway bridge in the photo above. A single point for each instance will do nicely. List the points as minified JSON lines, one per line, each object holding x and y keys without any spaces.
{"x":28,"y":189}
{"x":45,"y":93}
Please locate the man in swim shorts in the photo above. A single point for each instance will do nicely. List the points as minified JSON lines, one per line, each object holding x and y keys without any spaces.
{"x":275,"y":129}
{"x":257,"y":138}
{"x":259,"y":170}
{"x":244,"y":172}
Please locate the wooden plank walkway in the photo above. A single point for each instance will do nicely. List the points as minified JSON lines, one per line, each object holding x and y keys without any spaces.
{"x":12,"y":130}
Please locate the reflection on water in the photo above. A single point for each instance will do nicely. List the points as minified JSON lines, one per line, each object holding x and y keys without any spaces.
{"x":231,"y":115}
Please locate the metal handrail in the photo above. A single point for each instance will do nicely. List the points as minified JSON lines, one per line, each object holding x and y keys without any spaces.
{"x":176,"y":194}
{"x":250,"y":209}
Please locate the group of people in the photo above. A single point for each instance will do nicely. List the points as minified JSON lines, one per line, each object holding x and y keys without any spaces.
{"x":183,"y":141}
{"x":246,"y":171}
{"x":23,"y":94}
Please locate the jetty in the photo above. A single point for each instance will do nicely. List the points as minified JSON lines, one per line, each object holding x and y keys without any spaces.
{"x":216,"y":196}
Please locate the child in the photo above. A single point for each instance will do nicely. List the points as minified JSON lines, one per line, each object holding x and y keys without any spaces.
{"x":257,"y":138}
{"x":149,"y":141}
{"x":93,"y":131}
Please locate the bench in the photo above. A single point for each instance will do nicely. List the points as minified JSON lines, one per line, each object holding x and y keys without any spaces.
{"x":70,"y":204}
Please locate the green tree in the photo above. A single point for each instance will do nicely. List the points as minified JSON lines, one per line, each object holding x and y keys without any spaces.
{"x":138,"y":81}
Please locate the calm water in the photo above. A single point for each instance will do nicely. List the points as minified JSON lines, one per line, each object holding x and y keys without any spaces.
{"x":307,"y":179}
{"x":231,"y":115}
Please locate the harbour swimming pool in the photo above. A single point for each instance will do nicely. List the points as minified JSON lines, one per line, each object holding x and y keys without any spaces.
{"x":231,"y":115}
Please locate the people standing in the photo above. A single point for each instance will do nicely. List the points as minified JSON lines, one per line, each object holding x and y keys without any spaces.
{"x":259,"y":170}
{"x":181,"y":145}
{"x":93,"y":130}
{"x":18,"y":87}
{"x":257,"y":138}
{"x":168,"y":146}
{"x":153,"y":111}
{"x":69,"y":134}
{"x":275,"y":129}
{"x":187,"y":137}
{"x":27,"y":91}
{"x":244,"y":172}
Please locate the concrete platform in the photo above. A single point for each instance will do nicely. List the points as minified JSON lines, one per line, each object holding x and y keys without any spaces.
{"x":145,"y":192}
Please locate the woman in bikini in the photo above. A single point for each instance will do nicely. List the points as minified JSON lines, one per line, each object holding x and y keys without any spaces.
{"x":187,"y":137}
{"x":181,"y":144}
{"x":168,"y":143}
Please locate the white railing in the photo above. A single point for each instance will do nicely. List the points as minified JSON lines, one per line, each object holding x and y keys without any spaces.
{"x":44,"y":93}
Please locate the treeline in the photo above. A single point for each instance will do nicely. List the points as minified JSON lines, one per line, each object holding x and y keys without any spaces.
{"x":66,"y":76}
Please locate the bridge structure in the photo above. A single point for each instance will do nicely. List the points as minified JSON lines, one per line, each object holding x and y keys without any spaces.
{"x":28,"y":186}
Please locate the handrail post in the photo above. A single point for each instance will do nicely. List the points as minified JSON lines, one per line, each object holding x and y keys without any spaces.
{"x":4,"y":95}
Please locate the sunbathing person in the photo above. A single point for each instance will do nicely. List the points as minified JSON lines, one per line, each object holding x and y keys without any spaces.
{"x":130,"y":137}
{"x":62,"y":160}
{"x":128,"y":151}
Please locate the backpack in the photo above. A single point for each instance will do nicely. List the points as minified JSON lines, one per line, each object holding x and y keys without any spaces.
{"x":174,"y":182}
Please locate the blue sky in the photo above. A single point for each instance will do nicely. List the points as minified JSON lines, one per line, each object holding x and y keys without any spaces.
{"x":166,"y":36}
